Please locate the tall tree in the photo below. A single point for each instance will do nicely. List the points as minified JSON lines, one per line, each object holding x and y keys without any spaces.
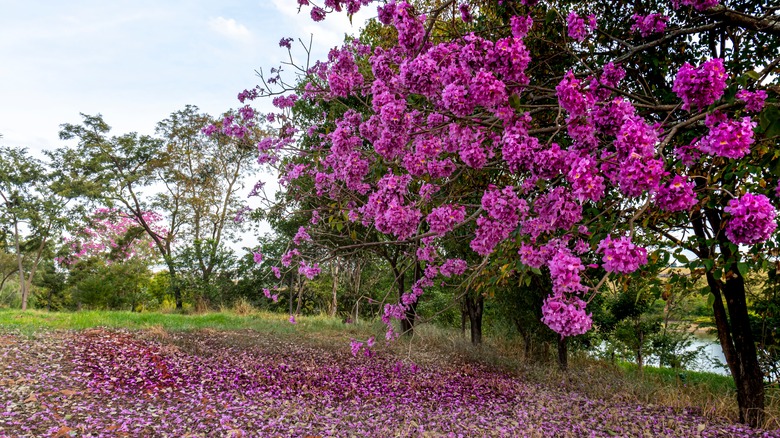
{"x":594,"y":125}
{"x":32,"y":211}
{"x":119,"y":172}
{"x":203,"y":177}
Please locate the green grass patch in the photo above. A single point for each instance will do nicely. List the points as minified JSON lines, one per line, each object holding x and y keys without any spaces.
{"x":30,"y":321}
{"x":717,"y":383}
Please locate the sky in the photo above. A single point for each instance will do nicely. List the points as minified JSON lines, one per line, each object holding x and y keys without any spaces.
{"x":136,"y":62}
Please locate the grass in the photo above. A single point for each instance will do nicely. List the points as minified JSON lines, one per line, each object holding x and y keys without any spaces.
{"x":30,"y":321}
{"x":713,"y":394}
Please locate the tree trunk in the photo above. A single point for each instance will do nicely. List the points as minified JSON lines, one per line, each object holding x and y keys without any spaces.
{"x":639,"y":358}
{"x":407,"y":324}
{"x":743,"y":360}
{"x":464,"y":313}
{"x":475,"y":306}
{"x":734,"y":334}
{"x":292,"y":292}
{"x":300,"y":297}
{"x":175,"y":287}
{"x":335,"y":274}
{"x":22,"y":282}
{"x":563,"y":353}
{"x":526,"y":335}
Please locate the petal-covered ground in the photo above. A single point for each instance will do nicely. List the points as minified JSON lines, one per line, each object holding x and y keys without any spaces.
{"x":102,"y":383}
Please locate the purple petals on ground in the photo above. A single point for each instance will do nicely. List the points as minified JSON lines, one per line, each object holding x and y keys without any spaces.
{"x":105,"y":383}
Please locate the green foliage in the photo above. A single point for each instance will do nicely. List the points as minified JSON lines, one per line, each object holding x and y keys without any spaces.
{"x":96,"y":284}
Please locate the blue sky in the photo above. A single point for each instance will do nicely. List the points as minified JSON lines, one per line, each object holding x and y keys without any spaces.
{"x":136,"y":62}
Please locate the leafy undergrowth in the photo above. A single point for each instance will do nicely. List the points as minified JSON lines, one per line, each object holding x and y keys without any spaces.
{"x":105,"y":382}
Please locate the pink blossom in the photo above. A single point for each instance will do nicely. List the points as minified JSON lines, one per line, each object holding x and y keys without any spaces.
{"x":453,"y":267}
{"x":309,"y":270}
{"x":565,"y":271}
{"x":578,"y":27}
{"x":727,"y":138}
{"x":647,"y":25}
{"x":676,"y":195}
{"x":752,"y":219}
{"x":258,"y":257}
{"x":754,"y":100}
{"x":699,"y":5}
{"x":301,"y":236}
{"x":566,"y":317}
{"x":621,"y":255}
{"x":442,"y":219}
{"x":700,"y":86}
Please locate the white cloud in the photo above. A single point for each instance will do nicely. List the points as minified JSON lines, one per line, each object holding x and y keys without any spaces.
{"x":230,"y":28}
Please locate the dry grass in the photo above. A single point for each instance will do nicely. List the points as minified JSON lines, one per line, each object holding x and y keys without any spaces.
{"x":710,"y":395}
{"x":243,"y":307}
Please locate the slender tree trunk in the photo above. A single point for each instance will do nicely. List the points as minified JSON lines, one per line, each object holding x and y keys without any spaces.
{"x":734,"y":333}
{"x":335,"y":274}
{"x":300,"y":297}
{"x":639,"y":358}
{"x":464,"y":314}
{"x":526,"y":335}
{"x":475,"y":306}
{"x":750,"y":384}
{"x":292,"y":292}
{"x":563,"y":353}
{"x":22,"y":282}
{"x":175,"y":286}
{"x":407,"y":324}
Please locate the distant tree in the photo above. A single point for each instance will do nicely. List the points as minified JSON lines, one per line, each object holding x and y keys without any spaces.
{"x":202,"y":177}
{"x":118,"y":172}
{"x":31,"y":212}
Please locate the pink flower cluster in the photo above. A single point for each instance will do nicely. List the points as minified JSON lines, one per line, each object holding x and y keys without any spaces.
{"x":272,"y":297}
{"x":453,"y":267}
{"x":754,"y":100}
{"x":309,"y":270}
{"x":676,"y":195}
{"x":572,"y":98}
{"x":699,"y":5}
{"x":647,"y":25}
{"x":700,"y":86}
{"x":727,"y":138}
{"x":442,"y":219}
{"x":106,"y":234}
{"x":505,"y":210}
{"x":580,"y":27}
{"x":565,"y":270}
{"x":566,"y":316}
{"x":752,"y":219}
{"x":301,"y":236}
{"x":621,"y":255}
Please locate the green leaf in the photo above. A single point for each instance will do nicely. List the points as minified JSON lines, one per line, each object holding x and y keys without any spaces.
{"x":743,"y":269}
{"x":710,"y":299}
{"x":708,"y":264}
{"x":681,"y":258}
{"x":769,"y":121}
{"x":551,"y":16}
{"x":514,"y":102}
{"x":752,"y":74}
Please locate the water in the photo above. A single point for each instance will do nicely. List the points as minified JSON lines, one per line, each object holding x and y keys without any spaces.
{"x":711,"y":359}
{"x":712,"y":351}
